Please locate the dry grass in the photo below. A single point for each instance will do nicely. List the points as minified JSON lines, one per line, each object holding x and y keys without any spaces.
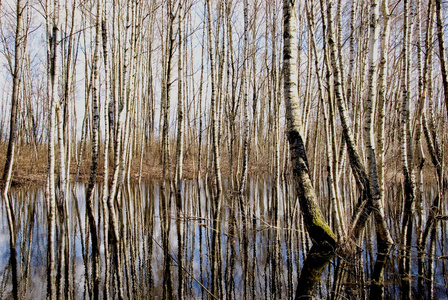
{"x":31,"y":164}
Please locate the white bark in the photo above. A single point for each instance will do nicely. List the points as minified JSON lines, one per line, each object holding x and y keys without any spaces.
{"x":318,"y":230}
{"x":382,"y":83}
{"x":245,"y":87}
{"x":334,"y":195}
{"x":214,"y":104}
{"x":52,"y":9}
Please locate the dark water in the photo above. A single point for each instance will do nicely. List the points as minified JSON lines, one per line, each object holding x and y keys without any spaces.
{"x":257,"y":256}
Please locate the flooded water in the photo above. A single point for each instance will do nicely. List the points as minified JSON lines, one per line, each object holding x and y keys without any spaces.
{"x":195,"y":252}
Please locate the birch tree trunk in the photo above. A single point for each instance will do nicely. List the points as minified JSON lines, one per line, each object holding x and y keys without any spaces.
{"x":105,"y":191}
{"x":69,"y":138}
{"x":166,"y":88}
{"x":16,"y":82}
{"x":317,"y":228}
{"x":180,"y":152}
{"x":442,"y":52}
{"x":274,"y":141}
{"x":201,"y":88}
{"x":407,"y":164}
{"x":424,"y":93}
{"x":115,"y":129}
{"x":180,"y":104}
{"x":363,"y":208}
{"x":214,"y":104}
{"x":52,"y":8}
{"x":382,"y":82}
{"x":384,"y":238}
{"x":434,"y":149}
{"x":90,"y":195}
{"x":245,"y":87}
{"x":64,"y":117}
{"x":7,"y":171}
{"x":340,"y":226}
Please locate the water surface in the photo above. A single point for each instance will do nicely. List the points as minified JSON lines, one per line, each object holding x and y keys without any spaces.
{"x":258,"y":255}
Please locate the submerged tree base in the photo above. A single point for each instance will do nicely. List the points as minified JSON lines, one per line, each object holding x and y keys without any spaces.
{"x":316,"y":261}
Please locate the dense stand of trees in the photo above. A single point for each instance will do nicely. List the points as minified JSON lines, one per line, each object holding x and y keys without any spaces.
{"x":348,"y":97}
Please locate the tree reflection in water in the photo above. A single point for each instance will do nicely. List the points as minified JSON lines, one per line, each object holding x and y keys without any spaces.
{"x":258,"y":259}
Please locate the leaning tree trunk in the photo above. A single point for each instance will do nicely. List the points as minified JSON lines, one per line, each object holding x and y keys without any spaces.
{"x":320,"y":233}
{"x":331,"y":156}
{"x":367,"y":181}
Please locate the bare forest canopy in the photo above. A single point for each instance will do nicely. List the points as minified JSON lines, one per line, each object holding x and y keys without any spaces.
{"x":343,"y":96}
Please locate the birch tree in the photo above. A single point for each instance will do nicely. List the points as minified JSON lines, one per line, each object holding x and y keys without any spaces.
{"x":328,"y":126}
{"x":180,"y":147}
{"x":52,"y":10}
{"x":9,"y":162}
{"x":407,"y":161}
{"x":213,"y":102}
{"x":317,"y":228}
{"x":90,"y":208}
{"x":384,"y":238}
{"x":214,"y":116}
{"x":382,"y":81}
{"x":105,"y":190}
{"x":245,"y":87}
{"x":442,"y":52}
{"x":64,"y":118}
{"x":428,"y":232}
